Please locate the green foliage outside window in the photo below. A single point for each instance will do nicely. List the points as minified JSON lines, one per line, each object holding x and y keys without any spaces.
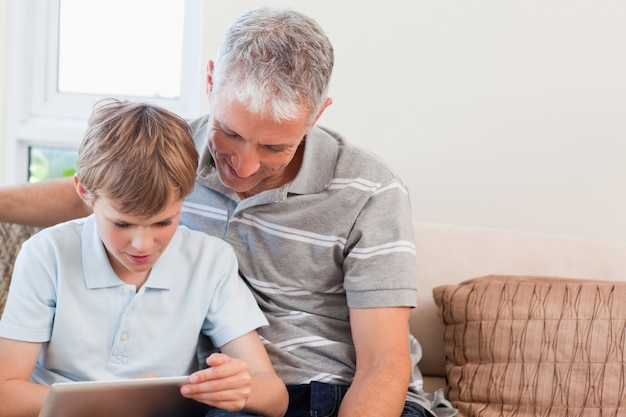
{"x":48,"y":162}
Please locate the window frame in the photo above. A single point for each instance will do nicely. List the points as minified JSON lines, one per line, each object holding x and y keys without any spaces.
{"x":37,"y":114}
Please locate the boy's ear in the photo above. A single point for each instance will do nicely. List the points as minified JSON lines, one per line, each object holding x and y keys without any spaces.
{"x":80,"y":190}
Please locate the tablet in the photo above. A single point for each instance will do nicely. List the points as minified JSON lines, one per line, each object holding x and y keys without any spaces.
{"x":141,"y":397}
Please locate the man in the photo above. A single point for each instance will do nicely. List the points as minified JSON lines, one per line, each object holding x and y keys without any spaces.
{"x":322,"y":230}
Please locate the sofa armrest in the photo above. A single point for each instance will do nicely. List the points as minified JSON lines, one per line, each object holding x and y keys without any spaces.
{"x":11,"y":238}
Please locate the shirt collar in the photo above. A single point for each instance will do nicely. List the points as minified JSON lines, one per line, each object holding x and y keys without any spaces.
{"x":321,"y":147}
{"x":318,"y":162}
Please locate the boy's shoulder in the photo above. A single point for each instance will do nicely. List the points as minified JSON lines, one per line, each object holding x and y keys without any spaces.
{"x":64,"y":230}
{"x":200,"y":249}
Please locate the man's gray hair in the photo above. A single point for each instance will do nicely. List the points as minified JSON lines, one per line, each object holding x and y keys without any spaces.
{"x":277,"y":60}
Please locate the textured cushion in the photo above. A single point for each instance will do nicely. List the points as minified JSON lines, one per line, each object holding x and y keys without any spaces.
{"x":535,"y":346}
{"x":11,"y":238}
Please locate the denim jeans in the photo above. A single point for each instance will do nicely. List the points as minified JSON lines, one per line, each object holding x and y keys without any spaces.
{"x":317,"y":400}
{"x":218,"y":412}
{"x":322,"y":400}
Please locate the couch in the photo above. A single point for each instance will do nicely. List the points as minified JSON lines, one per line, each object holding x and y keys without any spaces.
{"x":521,"y":324}
{"x":488,"y":343}
{"x":11,"y":238}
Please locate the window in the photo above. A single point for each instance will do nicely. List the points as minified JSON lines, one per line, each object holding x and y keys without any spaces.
{"x":133,"y":60}
{"x":64,"y":55}
{"x":50,"y":162}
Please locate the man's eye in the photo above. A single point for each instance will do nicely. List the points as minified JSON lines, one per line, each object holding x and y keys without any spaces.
{"x":276,"y":149}
{"x":229,"y":134}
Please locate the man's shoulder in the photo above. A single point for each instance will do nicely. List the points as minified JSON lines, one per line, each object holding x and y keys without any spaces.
{"x":356,"y":161}
{"x":199,"y":123}
{"x":199,"y":129}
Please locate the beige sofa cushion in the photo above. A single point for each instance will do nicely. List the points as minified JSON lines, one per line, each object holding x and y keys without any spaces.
{"x":450,"y":254}
{"x":526,"y":346}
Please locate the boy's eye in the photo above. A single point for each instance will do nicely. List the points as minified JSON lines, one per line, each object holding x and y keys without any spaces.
{"x":121,"y":225}
{"x":164,"y":223}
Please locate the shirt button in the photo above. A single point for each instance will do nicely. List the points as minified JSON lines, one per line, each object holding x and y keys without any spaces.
{"x":130,"y":312}
{"x":125,"y":291}
{"x":124,"y":337}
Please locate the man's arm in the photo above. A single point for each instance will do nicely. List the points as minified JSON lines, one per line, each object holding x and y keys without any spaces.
{"x":42,"y":203}
{"x":383,"y":364}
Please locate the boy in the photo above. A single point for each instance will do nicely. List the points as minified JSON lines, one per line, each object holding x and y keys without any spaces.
{"x":126,"y":291}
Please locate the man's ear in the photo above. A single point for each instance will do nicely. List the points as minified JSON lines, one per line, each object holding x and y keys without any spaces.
{"x":209,"y":77}
{"x":327,"y":103}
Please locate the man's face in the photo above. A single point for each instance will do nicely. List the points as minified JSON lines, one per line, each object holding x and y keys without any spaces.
{"x":253,"y":153}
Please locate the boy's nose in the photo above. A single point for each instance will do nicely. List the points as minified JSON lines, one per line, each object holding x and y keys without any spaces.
{"x":142,"y":241}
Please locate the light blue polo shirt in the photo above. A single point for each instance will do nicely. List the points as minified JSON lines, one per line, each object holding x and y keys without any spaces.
{"x":65,"y":294}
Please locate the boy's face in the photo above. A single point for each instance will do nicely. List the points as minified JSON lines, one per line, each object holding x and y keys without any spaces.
{"x":134,"y":244}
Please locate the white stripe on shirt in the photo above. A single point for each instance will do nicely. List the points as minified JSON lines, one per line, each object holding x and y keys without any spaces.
{"x":328,"y":378}
{"x":309,"y":341}
{"x":358,"y":183}
{"x":290,"y":233}
{"x":391,"y":186}
{"x":205,"y":211}
{"x":271,"y":288}
{"x":385,"y":249}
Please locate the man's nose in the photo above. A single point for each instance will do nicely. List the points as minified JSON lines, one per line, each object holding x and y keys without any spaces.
{"x":246,"y":162}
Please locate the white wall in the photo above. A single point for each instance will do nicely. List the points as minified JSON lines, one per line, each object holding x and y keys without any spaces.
{"x":507,"y":114}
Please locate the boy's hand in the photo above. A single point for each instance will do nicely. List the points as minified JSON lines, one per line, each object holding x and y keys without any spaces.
{"x":226,"y":384}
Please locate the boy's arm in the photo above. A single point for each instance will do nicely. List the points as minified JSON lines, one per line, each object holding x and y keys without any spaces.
{"x":240,"y":378}
{"x":42,"y":203}
{"x":18,"y":396}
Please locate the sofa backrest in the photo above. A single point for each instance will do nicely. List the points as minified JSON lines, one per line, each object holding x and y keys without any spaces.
{"x":448,"y":254}
{"x":11,"y":238}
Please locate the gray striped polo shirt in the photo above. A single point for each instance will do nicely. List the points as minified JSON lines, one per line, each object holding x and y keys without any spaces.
{"x":338,"y":236}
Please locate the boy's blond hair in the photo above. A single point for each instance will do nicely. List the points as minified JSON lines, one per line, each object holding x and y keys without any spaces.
{"x":137,"y":155}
